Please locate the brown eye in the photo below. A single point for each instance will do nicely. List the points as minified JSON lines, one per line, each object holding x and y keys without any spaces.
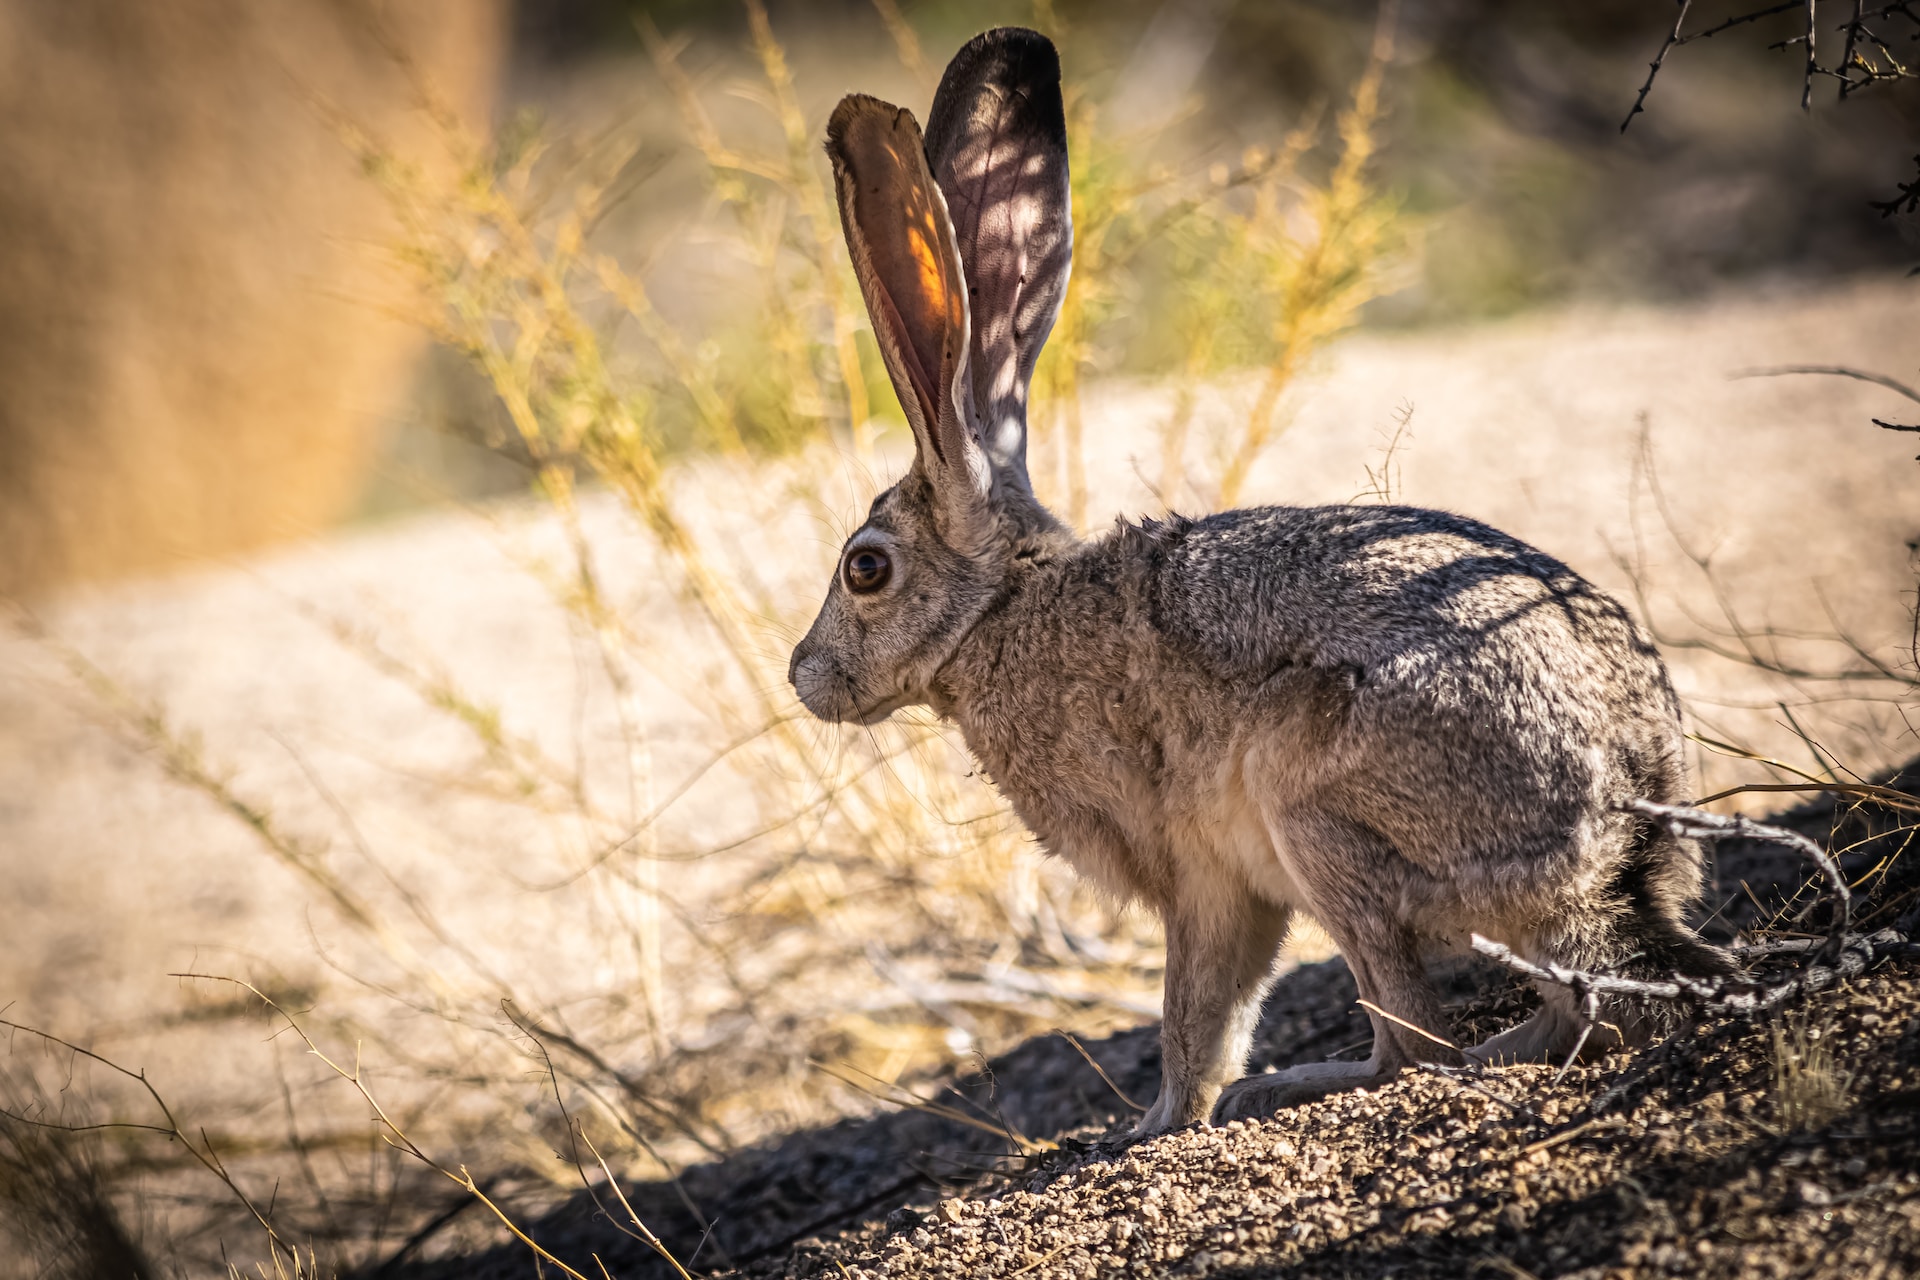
{"x":868,"y":571}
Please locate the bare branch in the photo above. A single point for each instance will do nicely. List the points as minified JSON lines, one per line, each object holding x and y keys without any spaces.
{"x":1885,"y":795}
{"x":1735,"y":997}
{"x":1698,"y":824}
{"x":1813,"y":61}
{"x":1740,"y":20}
{"x":1839,"y":956}
{"x":1834,"y":370}
{"x":1653,"y":68}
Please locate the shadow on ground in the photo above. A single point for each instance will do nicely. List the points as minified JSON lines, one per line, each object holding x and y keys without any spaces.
{"x":767,"y":1208}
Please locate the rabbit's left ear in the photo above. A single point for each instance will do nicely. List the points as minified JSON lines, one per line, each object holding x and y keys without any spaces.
{"x":997,"y":145}
{"x":909,"y":270}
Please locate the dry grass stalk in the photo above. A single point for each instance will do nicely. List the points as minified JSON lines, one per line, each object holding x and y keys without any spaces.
{"x":57,"y":1206}
{"x":94,"y":1217}
{"x":390,"y":1129}
{"x":1320,"y":286}
{"x":1809,"y":1087}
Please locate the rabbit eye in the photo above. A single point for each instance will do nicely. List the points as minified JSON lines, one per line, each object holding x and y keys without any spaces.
{"x":868,"y":571}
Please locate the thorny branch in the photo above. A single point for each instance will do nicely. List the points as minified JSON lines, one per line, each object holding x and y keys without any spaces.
{"x":1659,"y":60}
{"x":1867,"y":56}
{"x":1841,"y":955}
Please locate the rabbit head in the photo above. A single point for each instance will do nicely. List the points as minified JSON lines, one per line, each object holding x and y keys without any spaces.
{"x":962,"y":243}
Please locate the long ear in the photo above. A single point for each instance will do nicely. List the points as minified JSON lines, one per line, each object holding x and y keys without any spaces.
{"x":997,"y":142}
{"x":903,"y":252}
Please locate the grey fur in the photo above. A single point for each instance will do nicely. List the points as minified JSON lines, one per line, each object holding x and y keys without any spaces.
{"x":1401,"y":722}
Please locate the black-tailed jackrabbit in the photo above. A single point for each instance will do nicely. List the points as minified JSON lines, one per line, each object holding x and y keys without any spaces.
{"x":1401,"y":722}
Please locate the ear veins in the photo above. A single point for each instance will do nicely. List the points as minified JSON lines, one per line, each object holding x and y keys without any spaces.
{"x":909,"y":360}
{"x":998,"y":150}
{"x":907,"y":260}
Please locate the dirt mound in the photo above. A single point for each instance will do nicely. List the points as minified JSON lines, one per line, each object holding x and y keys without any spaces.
{"x":1734,"y":1148}
{"x":1698,"y":1171}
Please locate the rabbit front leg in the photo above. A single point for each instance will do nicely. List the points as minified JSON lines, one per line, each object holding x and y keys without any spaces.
{"x":1221,"y":944}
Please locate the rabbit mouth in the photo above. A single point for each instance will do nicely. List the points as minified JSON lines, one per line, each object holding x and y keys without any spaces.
{"x":831,"y":696}
{"x":881,"y":710}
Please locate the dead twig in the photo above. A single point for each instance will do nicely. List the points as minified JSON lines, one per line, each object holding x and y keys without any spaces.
{"x":1397,"y":1021}
{"x":390,"y":1130}
{"x":1829,"y":370}
{"x":1839,"y":956}
{"x":1698,"y":824}
{"x":1098,"y":1070}
{"x":613,"y":1184}
{"x":1659,"y":59}
{"x":900,"y":1096}
{"x":1724,"y":997}
{"x":203,"y":1153}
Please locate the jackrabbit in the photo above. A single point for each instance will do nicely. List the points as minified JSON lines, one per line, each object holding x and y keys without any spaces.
{"x":1401,"y":722}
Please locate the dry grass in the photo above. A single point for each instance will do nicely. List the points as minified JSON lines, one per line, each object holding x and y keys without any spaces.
{"x":1810,"y":1087}
{"x":56,"y":1195}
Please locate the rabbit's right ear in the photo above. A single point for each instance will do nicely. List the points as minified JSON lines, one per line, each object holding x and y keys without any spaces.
{"x":997,"y":143}
{"x":903,"y":250}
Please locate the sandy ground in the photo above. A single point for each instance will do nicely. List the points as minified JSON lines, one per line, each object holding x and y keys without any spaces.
{"x":113,"y":876}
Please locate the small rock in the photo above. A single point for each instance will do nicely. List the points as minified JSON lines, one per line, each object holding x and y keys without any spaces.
{"x":1814,"y":1195}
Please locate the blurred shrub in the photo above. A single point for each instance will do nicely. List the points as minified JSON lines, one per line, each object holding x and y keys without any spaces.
{"x":190,"y":344}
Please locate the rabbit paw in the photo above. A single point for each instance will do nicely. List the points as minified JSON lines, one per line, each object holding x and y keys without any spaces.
{"x":1257,"y":1097}
{"x":1172,"y":1110}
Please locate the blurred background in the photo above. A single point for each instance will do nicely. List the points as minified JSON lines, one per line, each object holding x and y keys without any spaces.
{"x":425,"y":428}
{"x":201,"y":346}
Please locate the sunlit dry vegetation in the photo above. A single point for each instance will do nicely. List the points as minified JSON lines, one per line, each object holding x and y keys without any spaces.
{"x":799,"y":915}
{"x":762,"y":922}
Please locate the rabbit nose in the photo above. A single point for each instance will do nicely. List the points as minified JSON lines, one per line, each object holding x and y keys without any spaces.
{"x":793,"y":664}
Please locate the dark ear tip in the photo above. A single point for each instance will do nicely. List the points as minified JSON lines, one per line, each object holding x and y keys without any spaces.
{"x":858,"y":106}
{"x":1013,"y":61}
{"x":1025,"y":54}
{"x":1020,"y":42}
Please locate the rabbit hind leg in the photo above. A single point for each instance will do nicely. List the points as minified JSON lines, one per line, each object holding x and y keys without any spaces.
{"x":1346,"y":874}
{"x":1552,"y":1034}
